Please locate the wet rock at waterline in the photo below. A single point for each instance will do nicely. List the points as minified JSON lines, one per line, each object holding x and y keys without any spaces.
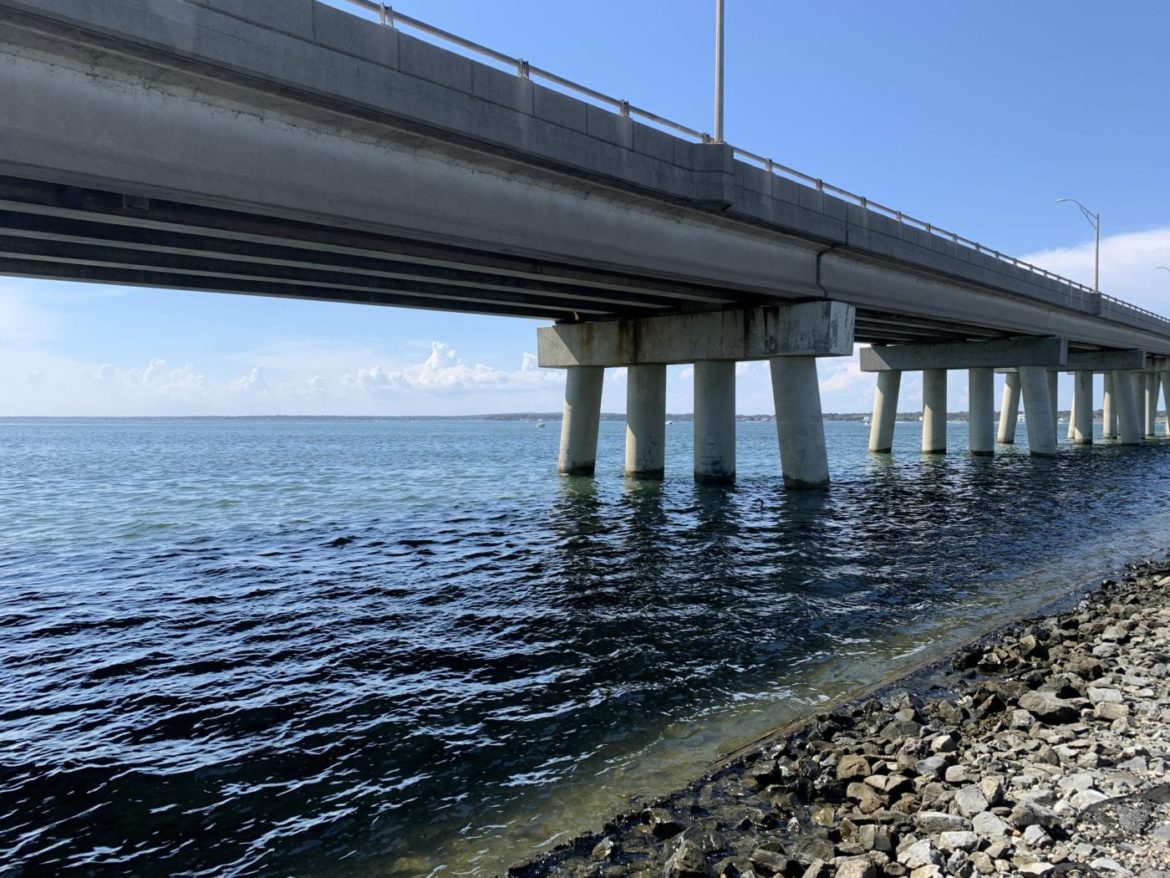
{"x":1046,"y":754}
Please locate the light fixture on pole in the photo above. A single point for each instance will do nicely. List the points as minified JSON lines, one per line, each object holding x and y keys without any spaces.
{"x":718,"y":71}
{"x":1095,"y":221}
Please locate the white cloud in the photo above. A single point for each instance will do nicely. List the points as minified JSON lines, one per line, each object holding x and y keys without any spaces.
{"x":1128,"y":266}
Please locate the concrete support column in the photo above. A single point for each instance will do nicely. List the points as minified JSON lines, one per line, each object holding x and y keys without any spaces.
{"x":1082,"y":413}
{"x":885,"y":411}
{"x":1072,"y":414}
{"x":1109,"y":407}
{"x":1035,"y":387}
{"x":981,"y":411}
{"x":578,"y":455}
{"x":1053,"y":389}
{"x":799,"y":425}
{"x":646,"y":421}
{"x":715,"y":420}
{"x":1153,"y":381}
{"x":1129,"y":428}
{"x":1166,"y":398}
{"x":934,"y":411}
{"x":1009,"y":409}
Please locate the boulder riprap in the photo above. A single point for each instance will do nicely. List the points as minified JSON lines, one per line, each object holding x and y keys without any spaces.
{"x":1043,"y":750}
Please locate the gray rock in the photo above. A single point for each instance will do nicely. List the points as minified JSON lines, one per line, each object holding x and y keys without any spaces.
{"x":992,"y":788}
{"x":687,"y":861}
{"x":970,"y":801}
{"x":1082,"y":799}
{"x":932,"y":767}
{"x":1048,"y":708}
{"x":766,"y":862}
{"x":1103,"y":695}
{"x":983,"y":863}
{"x":850,"y":767}
{"x":1021,"y":719}
{"x":940,"y":821}
{"x":1111,"y":710}
{"x":856,"y":867}
{"x":873,"y":837}
{"x":1033,"y":813}
{"x":989,"y":826}
{"x":958,"y":841}
{"x":921,"y":853}
{"x":1035,"y":837}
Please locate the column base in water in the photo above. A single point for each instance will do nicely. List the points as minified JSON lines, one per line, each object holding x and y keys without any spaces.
{"x":934,"y":411}
{"x":715,"y":421}
{"x":1034,"y":385}
{"x":646,"y":421}
{"x":1009,"y":409}
{"x":1082,"y":413}
{"x":799,"y":425}
{"x":885,"y":412}
{"x":578,"y":456}
{"x":981,"y":411}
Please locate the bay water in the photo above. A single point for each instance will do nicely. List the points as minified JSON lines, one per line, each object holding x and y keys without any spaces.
{"x":337,"y":646}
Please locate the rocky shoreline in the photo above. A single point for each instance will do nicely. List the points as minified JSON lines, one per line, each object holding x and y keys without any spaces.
{"x":1042,"y":750}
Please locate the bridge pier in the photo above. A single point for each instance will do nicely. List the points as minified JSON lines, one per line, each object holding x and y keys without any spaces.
{"x":1128,"y":426}
{"x":1009,"y":409}
{"x":981,"y":410}
{"x":1152,"y":383}
{"x":1166,"y":397}
{"x":646,"y":421}
{"x":714,"y":421}
{"x":799,"y":424}
{"x":1035,"y":385}
{"x":578,"y":455}
{"x":1108,"y":407}
{"x":1053,"y":389}
{"x":1081,"y":418}
{"x":934,"y":411}
{"x":885,"y":412}
{"x":789,"y":336}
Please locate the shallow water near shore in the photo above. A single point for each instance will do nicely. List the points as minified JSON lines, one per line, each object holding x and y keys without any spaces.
{"x":200,"y":677}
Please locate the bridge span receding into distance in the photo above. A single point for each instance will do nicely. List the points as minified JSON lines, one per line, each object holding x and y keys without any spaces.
{"x":289,"y":148}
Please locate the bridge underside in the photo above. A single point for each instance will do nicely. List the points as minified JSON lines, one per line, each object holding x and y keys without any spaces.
{"x":61,"y":232}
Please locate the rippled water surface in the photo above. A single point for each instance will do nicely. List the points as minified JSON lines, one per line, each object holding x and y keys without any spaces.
{"x":382,"y":647}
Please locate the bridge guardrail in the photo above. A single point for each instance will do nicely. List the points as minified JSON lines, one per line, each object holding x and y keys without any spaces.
{"x":522,"y":68}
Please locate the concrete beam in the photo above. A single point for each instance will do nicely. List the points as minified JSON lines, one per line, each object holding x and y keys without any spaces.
{"x":965,"y":355}
{"x":808,"y":329}
{"x":1133,"y":360}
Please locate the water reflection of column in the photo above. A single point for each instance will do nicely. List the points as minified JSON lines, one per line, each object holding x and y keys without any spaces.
{"x":1109,"y":407}
{"x":1009,"y":409}
{"x":885,"y":411}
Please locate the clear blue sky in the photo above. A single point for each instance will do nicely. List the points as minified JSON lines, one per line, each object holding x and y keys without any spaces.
{"x":974,"y":116}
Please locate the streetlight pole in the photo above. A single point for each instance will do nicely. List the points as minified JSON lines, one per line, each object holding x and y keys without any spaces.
{"x":1095,"y":221}
{"x":718,"y":71}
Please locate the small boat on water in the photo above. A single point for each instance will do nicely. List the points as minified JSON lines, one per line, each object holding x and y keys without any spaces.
{"x":539,"y":422}
{"x":668,"y":423}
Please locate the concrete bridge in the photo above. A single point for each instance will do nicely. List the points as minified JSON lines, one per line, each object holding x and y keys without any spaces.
{"x":287,"y":148}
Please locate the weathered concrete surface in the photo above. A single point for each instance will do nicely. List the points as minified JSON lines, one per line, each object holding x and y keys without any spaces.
{"x":1082,"y":414}
{"x":885,"y":412}
{"x":1009,"y":409}
{"x":799,"y":424}
{"x":646,"y":421}
{"x":965,"y":355}
{"x":1038,"y":418}
{"x":934,"y":411}
{"x":714,"y":427}
{"x":806,"y":329}
{"x":981,"y":411}
{"x":578,"y":453}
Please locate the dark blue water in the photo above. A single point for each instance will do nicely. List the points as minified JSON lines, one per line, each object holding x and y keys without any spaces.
{"x":347,"y":647}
